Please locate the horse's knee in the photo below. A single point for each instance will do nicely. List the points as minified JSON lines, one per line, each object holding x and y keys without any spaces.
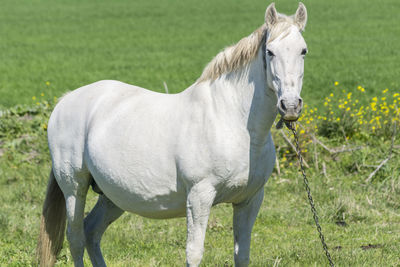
{"x":194,"y":255}
{"x":194,"y":259}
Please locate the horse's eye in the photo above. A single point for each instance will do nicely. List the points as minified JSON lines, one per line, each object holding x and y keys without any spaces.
{"x":304,"y":52}
{"x":269,"y":52}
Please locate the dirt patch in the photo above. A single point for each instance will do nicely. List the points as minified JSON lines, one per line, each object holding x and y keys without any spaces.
{"x":341,"y":223}
{"x":371,"y":246}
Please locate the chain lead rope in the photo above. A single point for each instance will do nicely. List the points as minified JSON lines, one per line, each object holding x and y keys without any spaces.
{"x":291,"y":126}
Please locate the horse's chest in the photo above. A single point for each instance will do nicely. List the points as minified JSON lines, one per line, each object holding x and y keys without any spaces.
{"x":248,"y":179}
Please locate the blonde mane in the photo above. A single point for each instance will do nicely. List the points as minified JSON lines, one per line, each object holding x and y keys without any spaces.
{"x":242,"y":53}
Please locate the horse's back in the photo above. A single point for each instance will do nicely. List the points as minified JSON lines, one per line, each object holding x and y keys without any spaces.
{"x":68,"y":123}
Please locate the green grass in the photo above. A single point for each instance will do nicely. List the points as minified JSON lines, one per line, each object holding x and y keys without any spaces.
{"x":73,"y":43}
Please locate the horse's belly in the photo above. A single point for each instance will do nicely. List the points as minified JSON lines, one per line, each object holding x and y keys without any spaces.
{"x":135,"y":185}
{"x":151,"y":199}
{"x":157,"y":207}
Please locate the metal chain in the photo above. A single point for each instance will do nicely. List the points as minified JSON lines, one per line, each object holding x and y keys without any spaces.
{"x":291,"y":126}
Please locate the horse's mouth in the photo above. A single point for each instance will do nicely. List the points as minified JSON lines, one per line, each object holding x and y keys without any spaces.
{"x":284,"y":121}
{"x":291,"y":120}
{"x":290,"y":116}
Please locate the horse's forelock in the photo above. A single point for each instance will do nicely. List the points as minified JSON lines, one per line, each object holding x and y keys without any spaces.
{"x":281,"y":27}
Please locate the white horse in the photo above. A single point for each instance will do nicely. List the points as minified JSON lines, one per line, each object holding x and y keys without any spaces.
{"x":164,"y":156}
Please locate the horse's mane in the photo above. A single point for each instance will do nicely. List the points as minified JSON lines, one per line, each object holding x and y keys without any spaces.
{"x":242,"y":53}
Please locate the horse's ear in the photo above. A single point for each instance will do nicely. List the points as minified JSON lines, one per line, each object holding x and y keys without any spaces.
{"x":300,"y":18}
{"x":271,"y":16}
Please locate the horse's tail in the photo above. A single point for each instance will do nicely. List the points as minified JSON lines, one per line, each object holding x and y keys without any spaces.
{"x":52,"y":224}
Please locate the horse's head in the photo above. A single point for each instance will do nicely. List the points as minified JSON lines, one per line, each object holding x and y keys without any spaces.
{"x":284,"y":56}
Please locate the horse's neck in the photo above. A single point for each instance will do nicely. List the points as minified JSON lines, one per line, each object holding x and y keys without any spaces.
{"x":244,"y":95}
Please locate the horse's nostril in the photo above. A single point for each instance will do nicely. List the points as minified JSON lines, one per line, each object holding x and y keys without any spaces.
{"x":300,"y":104}
{"x":283,"y":107}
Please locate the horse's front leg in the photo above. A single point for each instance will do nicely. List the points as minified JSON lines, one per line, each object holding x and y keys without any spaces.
{"x":199,"y":201}
{"x":244,"y":216}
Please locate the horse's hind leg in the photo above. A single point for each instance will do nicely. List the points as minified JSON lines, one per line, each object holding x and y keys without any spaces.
{"x":101,"y":216}
{"x":75,"y":188}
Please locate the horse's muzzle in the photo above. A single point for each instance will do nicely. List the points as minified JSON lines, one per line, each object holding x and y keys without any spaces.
{"x":290,"y":109}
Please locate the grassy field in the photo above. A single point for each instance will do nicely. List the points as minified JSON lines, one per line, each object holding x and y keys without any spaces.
{"x":49,"y":47}
{"x":73,"y":43}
